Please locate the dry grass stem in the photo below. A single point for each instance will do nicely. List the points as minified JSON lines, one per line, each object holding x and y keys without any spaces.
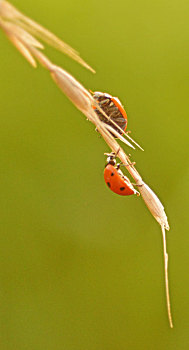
{"x":19,"y":30}
{"x":166,"y":277}
{"x":83,"y":100}
{"x":8,"y":13}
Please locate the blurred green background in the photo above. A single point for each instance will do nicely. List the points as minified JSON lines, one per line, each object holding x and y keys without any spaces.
{"x":80,"y":267}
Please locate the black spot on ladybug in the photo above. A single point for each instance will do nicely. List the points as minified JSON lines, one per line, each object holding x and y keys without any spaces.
{"x":112,"y":174}
{"x":109,"y":185}
{"x":122,"y":188}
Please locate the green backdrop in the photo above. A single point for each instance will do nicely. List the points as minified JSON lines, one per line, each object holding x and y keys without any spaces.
{"x":80,"y":267}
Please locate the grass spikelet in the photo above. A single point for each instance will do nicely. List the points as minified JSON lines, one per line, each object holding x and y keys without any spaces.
{"x":21,"y":30}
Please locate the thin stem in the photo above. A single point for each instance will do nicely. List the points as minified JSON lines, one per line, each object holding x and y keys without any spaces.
{"x":19,"y":30}
{"x":166,"y":277}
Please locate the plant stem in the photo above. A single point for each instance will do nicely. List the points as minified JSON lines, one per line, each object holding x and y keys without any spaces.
{"x":166,"y":277}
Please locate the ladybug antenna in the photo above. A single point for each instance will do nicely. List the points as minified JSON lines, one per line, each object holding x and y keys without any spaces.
{"x":113,"y":154}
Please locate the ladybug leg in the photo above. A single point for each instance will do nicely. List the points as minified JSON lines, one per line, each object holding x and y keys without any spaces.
{"x":136,"y":185}
{"x":118,"y":165}
{"x":131,"y":163}
{"x":98,"y":132}
{"x":122,"y":164}
{"x":113,"y":154}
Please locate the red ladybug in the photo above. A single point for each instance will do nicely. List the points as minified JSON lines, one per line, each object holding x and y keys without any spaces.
{"x":113,"y":109}
{"x":115,"y":180}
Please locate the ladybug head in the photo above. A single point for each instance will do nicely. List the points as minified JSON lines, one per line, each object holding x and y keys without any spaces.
{"x":97,"y":95}
{"x":111,"y":160}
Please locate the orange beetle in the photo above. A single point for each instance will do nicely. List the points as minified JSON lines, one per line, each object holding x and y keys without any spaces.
{"x":113,"y":109}
{"x":115,"y":180}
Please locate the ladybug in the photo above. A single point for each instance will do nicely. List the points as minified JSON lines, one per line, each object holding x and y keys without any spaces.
{"x":113,"y":109}
{"x":115,"y":180}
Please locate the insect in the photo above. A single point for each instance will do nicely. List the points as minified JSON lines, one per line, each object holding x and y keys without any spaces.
{"x":113,"y":109}
{"x":115,"y":114}
{"x":116,"y":180}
